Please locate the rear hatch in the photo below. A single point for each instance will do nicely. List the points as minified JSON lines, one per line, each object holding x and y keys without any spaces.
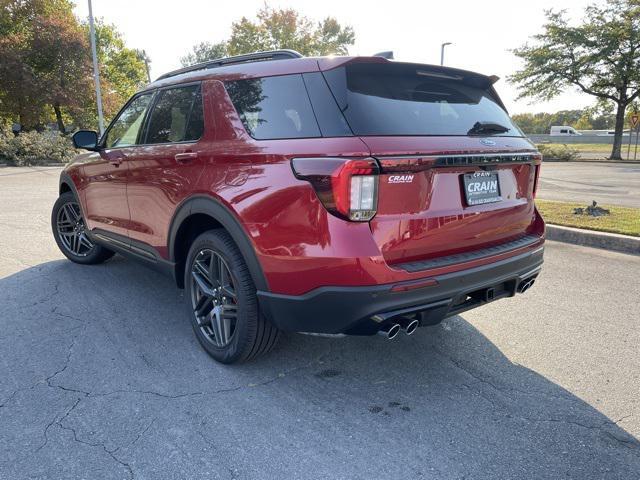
{"x":457,"y":175}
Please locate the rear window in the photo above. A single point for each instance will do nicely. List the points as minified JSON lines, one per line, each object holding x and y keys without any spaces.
{"x":274,"y":107}
{"x":403,"y":99}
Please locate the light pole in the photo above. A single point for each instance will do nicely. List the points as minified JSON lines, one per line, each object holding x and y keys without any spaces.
{"x":96,"y":72}
{"x":442,"y":52}
{"x":146,"y":64}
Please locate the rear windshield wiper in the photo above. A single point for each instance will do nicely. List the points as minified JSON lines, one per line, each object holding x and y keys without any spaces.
{"x":480,"y":128}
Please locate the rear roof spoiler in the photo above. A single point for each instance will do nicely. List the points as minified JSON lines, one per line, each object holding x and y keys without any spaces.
{"x":479,"y":79}
{"x":473,"y":79}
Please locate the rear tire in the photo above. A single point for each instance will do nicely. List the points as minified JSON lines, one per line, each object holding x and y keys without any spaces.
{"x":69,"y":230}
{"x":222,"y":303}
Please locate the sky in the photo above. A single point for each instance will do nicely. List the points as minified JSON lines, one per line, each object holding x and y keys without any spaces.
{"x":482,"y":32}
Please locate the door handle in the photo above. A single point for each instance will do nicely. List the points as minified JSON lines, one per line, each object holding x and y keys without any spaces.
{"x":185,"y":157}
{"x":117,"y":159}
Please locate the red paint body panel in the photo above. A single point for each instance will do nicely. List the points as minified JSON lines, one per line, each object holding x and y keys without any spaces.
{"x":299,"y":245}
{"x":104,"y":188}
{"x":158,"y":182}
{"x":429,"y":217}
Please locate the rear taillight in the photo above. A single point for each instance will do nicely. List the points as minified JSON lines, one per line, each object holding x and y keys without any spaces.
{"x":347,"y":188}
{"x":536,"y":174}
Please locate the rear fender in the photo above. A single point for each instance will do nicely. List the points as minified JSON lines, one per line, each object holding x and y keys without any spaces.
{"x":209,"y":206}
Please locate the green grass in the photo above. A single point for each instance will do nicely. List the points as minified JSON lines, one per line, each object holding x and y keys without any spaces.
{"x":587,"y":147}
{"x":623,"y":220}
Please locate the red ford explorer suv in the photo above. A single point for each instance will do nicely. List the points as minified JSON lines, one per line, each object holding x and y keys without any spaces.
{"x":337,"y":195}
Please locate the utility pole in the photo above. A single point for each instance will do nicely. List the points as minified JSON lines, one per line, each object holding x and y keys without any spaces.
{"x":442,"y":51}
{"x":96,"y":72}
{"x":146,"y":64}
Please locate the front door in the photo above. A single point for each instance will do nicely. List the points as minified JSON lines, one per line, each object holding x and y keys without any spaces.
{"x":107,"y":173}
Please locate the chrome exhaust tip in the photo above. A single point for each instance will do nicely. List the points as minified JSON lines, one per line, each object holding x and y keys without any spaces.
{"x":526,"y":285}
{"x":408,"y":324}
{"x":390,"y":330}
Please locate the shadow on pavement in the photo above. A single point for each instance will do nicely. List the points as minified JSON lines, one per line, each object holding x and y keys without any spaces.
{"x":101,"y":377}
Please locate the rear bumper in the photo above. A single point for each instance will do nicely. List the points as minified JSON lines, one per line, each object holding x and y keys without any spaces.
{"x":362,"y":310}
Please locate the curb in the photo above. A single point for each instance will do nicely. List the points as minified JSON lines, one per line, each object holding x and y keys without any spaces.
{"x":591,"y":238}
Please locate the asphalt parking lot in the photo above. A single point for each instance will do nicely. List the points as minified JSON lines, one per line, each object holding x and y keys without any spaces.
{"x":101,"y":377}
{"x":605,"y":182}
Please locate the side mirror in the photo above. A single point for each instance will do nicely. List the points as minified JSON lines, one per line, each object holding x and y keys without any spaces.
{"x":86,"y":139}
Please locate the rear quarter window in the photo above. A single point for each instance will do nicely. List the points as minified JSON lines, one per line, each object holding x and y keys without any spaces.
{"x":274,"y":107}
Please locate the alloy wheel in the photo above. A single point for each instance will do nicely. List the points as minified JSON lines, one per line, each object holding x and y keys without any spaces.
{"x":72,"y":230}
{"x":213,"y":297}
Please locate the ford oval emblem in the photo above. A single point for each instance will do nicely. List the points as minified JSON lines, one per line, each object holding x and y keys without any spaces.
{"x":486,"y":141}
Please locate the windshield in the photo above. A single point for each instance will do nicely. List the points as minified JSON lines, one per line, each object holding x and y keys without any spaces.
{"x":402,"y":99}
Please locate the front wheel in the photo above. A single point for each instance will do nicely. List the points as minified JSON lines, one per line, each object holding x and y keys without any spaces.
{"x":69,"y":230}
{"x":222,"y":303}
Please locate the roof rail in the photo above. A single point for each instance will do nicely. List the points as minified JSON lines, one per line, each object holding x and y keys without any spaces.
{"x":250,"y":57}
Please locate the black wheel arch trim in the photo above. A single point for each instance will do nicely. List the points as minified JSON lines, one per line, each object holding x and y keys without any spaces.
{"x":208,"y":205}
{"x":65,"y":179}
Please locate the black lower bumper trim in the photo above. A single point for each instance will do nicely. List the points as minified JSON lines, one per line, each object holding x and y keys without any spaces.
{"x":468,"y":256}
{"x":361,"y":310}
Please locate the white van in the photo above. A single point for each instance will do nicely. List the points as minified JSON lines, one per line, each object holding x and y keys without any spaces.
{"x":564,"y":130}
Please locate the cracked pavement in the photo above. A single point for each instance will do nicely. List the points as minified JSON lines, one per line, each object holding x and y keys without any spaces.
{"x":101,"y":378}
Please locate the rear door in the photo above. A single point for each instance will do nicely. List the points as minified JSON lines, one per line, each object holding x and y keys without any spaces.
{"x":457,"y":174}
{"x":168,"y":165}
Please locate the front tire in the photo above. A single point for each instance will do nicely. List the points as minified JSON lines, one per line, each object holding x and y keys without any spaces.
{"x":222,"y":302}
{"x":69,"y":230}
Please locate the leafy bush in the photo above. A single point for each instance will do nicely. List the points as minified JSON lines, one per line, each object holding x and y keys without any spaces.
{"x":556,"y":152}
{"x":34,"y":148}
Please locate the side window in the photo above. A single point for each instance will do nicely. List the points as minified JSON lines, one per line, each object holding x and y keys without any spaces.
{"x":124,"y":130}
{"x":176,"y":116}
{"x":274,"y":107}
{"x":195,"y":125}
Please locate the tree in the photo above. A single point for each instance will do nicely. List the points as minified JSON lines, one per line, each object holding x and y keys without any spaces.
{"x":596,"y":118}
{"x":122,"y":70}
{"x":601,"y":57}
{"x":46,"y":70}
{"x":19,"y":89}
{"x":44,"y":65}
{"x":277,"y":29}
{"x":203,"y":52}
{"x":286,"y":28}
{"x":58,"y":53}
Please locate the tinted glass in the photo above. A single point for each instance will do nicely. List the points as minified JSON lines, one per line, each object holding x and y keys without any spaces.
{"x":274,"y":107}
{"x":124,"y":130}
{"x":195,"y":125}
{"x":401,"y":99}
{"x":169,"y":120}
{"x":328,"y":115}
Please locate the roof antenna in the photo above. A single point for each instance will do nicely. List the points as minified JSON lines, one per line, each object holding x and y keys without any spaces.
{"x":388,"y":55}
